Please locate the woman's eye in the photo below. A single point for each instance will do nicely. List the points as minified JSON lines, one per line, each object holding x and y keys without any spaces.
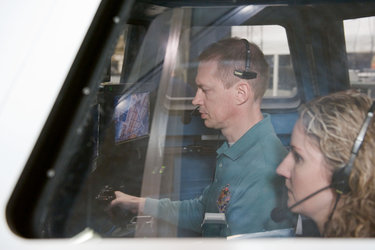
{"x":297,"y":157}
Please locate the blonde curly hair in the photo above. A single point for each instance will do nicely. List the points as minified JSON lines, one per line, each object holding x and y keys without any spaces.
{"x":334,"y":122}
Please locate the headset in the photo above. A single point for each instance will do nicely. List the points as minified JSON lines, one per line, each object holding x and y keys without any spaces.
{"x":247,"y":74}
{"x":340,"y":178}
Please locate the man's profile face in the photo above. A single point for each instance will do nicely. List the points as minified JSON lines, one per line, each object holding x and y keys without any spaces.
{"x":215,"y":101}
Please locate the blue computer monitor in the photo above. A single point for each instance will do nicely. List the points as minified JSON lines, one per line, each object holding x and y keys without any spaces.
{"x":131,"y":116}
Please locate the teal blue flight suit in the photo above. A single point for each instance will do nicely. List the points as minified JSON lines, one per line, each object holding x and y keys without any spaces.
{"x":245,"y":187}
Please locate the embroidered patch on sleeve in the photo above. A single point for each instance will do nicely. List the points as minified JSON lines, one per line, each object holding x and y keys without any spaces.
{"x":223,"y":200}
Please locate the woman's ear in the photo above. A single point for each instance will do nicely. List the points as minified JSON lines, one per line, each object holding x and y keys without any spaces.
{"x":243,"y":92}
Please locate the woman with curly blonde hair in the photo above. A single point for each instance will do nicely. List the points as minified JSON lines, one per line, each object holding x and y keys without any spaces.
{"x":327,"y":132}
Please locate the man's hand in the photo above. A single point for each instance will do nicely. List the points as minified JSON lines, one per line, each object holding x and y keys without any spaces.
{"x":128,"y":202}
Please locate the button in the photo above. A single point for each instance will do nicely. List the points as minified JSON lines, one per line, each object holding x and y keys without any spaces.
{"x":220,"y":165}
{"x":215,"y":179}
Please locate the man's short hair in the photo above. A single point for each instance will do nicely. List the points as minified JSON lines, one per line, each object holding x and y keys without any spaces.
{"x":230,"y":54}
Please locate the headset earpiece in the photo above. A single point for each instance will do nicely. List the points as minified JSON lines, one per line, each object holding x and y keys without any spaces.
{"x":340,"y":178}
{"x":247,"y":74}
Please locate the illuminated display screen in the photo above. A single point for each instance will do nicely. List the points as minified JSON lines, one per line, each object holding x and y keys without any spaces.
{"x":131,"y":116}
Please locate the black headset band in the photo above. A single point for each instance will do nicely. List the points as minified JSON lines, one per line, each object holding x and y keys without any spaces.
{"x":246,"y":74}
{"x":247,"y":60}
{"x":359,"y":140}
{"x":361,"y":135}
{"x":340,"y":179}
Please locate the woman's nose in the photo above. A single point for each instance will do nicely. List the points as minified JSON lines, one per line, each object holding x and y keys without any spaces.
{"x":285,"y":166}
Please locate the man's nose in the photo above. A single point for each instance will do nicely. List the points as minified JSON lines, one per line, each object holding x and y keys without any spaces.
{"x":285,"y":166}
{"x":197,"y":100}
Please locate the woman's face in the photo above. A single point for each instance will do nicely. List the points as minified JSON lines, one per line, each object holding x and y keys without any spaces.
{"x":305,"y":172}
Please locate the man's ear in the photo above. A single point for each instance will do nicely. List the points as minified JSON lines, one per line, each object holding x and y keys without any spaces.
{"x":243,"y":92}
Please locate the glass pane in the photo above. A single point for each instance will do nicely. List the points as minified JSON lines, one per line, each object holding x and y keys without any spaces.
{"x":359,"y":37}
{"x":151,"y":142}
{"x":140,"y":134}
{"x":134,"y":128}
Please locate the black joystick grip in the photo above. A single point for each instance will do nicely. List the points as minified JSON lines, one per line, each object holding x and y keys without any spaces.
{"x":106,"y":195}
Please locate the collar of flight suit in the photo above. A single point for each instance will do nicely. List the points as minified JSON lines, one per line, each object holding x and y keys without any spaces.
{"x":250,"y":139}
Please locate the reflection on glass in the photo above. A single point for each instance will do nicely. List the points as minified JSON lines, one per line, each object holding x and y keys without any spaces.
{"x":360,"y":46}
